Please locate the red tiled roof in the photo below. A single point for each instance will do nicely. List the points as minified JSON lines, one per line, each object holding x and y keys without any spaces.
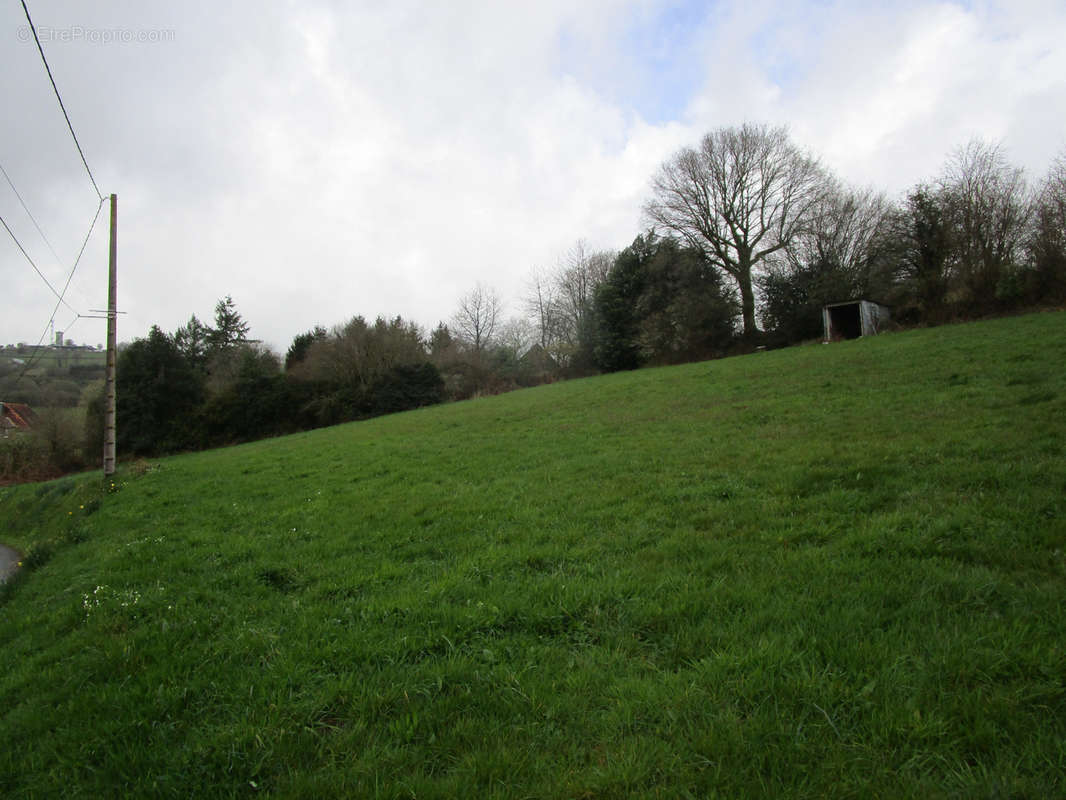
{"x":19,"y":415}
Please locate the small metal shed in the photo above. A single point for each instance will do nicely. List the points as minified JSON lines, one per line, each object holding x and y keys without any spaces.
{"x":853,"y":319}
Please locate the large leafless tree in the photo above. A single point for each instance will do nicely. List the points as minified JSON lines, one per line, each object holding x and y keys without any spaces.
{"x":989,"y":205}
{"x":847,"y":241}
{"x":580,"y":272}
{"x":516,"y":336}
{"x":1053,"y":191}
{"x":559,"y":302}
{"x":541,"y":307}
{"x":1047,"y":240}
{"x":477,"y":317}
{"x":741,"y":196}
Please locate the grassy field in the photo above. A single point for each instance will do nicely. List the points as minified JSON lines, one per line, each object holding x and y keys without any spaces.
{"x":829,"y":571}
{"x":44,"y":358}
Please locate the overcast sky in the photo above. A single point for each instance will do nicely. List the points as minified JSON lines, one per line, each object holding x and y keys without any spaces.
{"x":319,"y":160}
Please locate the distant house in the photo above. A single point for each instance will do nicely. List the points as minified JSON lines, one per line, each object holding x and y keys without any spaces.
{"x":853,"y":319}
{"x":16,"y":417}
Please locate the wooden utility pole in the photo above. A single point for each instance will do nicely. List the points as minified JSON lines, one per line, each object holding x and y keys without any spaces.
{"x":112,"y":344}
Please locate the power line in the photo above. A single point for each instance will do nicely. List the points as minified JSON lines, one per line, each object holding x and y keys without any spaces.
{"x":33,"y":264}
{"x":66,"y":116}
{"x":77,"y":260}
{"x":60,"y":295}
{"x":29,"y":213}
{"x":36,"y":356}
{"x":41,"y":231}
{"x":51,"y":319}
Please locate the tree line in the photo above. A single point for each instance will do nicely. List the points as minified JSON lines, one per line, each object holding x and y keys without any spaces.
{"x":210,"y":385}
{"x":788,"y":237}
{"x":746,"y":237}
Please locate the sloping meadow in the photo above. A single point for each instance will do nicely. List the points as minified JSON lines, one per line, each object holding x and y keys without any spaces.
{"x":826,"y":571}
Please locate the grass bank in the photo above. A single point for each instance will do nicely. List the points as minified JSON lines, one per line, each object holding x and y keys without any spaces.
{"x":825,"y":571}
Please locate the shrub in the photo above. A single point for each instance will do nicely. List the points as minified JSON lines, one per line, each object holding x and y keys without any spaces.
{"x":24,"y":458}
{"x":404,"y":387}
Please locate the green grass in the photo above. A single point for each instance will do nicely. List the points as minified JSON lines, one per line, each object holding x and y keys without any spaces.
{"x":826,"y":571}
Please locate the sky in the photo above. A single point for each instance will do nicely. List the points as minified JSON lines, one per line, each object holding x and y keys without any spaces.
{"x":320,"y":160}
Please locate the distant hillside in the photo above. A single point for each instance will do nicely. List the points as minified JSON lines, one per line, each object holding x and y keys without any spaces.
{"x":48,"y":376}
{"x":833,"y":570}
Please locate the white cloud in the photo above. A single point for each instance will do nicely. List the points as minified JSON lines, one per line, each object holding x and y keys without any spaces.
{"x":883,"y":94}
{"x":318,"y":160}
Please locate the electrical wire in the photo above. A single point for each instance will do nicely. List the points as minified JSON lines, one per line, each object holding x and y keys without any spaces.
{"x":36,"y":355}
{"x":33,"y":219}
{"x":84,"y":242}
{"x":62,"y":107}
{"x":33,"y":264}
{"x":61,"y":296}
{"x":51,"y":319}
{"x":28,"y":212}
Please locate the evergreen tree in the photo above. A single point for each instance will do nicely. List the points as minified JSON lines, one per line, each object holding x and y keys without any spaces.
{"x":662,"y":302}
{"x":230,"y":328}
{"x":301,"y":344}
{"x":926,"y":244}
{"x":616,"y":346}
{"x":686,"y":313}
{"x":158,"y":394}
{"x":191,"y":340}
{"x":441,"y":344}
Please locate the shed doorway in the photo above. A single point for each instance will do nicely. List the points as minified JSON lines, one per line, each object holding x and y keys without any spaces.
{"x":854,"y":319}
{"x":845,"y":322}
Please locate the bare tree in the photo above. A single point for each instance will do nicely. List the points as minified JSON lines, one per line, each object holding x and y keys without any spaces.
{"x":224,"y":367}
{"x":846,"y":243}
{"x":743,"y":195}
{"x":516,"y":335}
{"x":1054,"y":189}
{"x":541,"y":307}
{"x":357,"y":352}
{"x":989,"y":206}
{"x":476,"y":319}
{"x":1047,"y":239}
{"x":579,"y":274}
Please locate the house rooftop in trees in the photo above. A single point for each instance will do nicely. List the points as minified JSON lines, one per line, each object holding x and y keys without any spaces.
{"x":16,"y":417}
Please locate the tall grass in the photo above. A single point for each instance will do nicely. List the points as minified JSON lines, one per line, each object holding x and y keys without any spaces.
{"x":827,"y":571}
